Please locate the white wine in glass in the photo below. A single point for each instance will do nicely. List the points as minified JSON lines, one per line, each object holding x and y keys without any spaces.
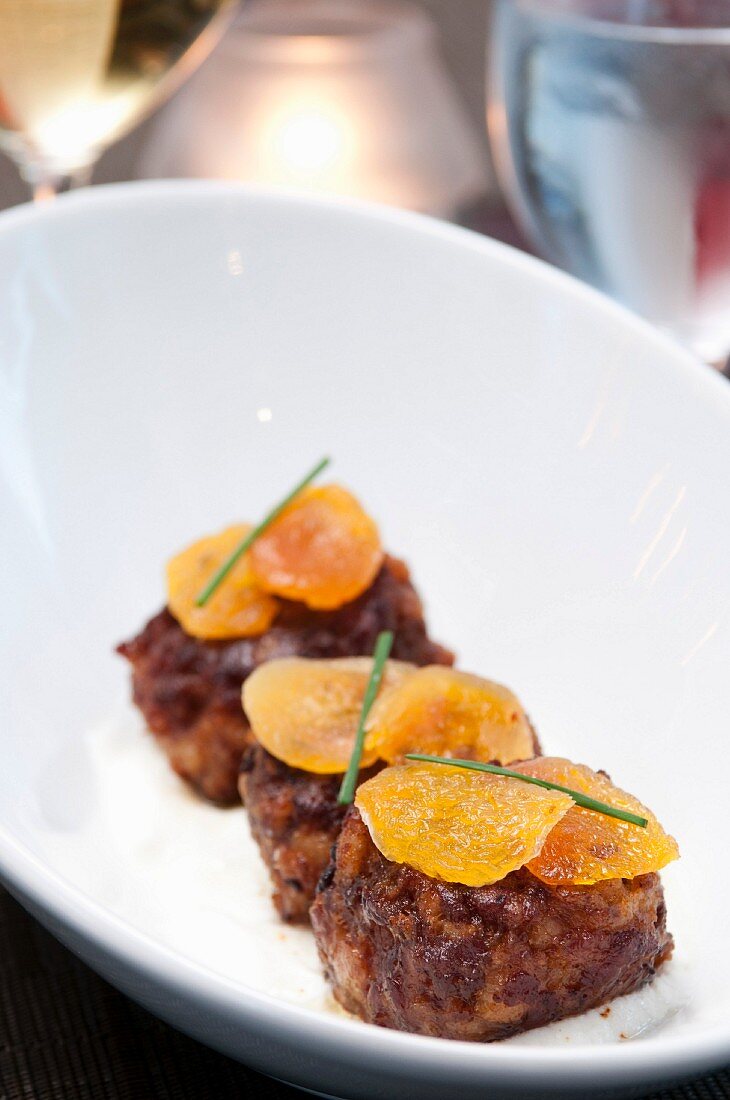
{"x":75,"y":74}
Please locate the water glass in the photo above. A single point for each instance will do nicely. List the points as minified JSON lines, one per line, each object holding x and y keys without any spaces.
{"x":610,"y":124}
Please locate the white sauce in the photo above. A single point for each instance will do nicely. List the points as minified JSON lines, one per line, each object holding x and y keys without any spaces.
{"x":188,"y":874}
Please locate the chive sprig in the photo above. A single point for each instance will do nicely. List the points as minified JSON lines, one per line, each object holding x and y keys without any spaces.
{"x":383,"y":646}
{"x":580,"y":799}
{"x":248,"y":540}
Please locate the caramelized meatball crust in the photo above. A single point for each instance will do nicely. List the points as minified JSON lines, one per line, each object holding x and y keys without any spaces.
{"x":295,"y":819}
{"x":478,"y":963}
{"x":189,"y":689}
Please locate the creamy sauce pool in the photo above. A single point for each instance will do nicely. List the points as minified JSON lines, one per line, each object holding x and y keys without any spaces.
{"x":189,"y":875}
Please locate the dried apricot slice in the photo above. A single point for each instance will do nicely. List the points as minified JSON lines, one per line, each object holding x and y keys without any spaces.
{"x":237,"y":609}
{"x":442,"y":712}
{"x":458,"y":825}
{"x":323,"y":550}
{"x":587,"y":847}
{"x":306,"y":712}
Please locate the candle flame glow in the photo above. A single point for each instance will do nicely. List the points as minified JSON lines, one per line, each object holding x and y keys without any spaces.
{"x":308,"y":141}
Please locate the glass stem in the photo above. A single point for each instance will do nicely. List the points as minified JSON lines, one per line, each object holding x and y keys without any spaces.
{"x":45,"y":184}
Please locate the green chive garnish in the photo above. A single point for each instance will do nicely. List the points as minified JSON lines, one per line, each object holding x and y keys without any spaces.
{"x":383,"y":646}
{"x":246,"y":542}
{"x":579,"y":799}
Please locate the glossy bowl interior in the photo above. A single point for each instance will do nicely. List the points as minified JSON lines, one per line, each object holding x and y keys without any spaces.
{"x":555,"y":472}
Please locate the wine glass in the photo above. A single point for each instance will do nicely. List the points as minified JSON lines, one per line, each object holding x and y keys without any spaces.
{"x":76,"y":74}
{"x":610,"y":124}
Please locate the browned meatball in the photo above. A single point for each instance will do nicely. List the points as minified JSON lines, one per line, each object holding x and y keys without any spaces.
{"x":295,"y":819}
{"x":189,"y":690}
{"x":479,"y":963}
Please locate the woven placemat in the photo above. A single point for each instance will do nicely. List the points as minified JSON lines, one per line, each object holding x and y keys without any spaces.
{"x":67,"y":1035}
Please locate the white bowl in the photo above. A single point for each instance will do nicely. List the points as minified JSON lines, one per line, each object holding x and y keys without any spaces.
{"x":557,"y":474}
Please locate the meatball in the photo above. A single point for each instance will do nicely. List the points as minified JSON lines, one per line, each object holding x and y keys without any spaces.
{"x":295,"y":819}
{"x":189,"y":689}
{"x":478,"y":963}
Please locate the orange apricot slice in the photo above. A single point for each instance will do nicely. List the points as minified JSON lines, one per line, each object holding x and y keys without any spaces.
{"x":442,"y":712}
{"x":458,"y":825}
{"x":323,"y":550}
{"x":586,"y":847}
{"x":237,"y":609}
{"x":306,"y":712}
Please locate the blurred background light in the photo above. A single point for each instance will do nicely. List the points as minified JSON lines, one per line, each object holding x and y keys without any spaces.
{"x":347,"y":97}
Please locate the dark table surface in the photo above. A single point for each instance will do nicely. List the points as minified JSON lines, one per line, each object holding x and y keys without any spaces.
{"x":67,"y":1035}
